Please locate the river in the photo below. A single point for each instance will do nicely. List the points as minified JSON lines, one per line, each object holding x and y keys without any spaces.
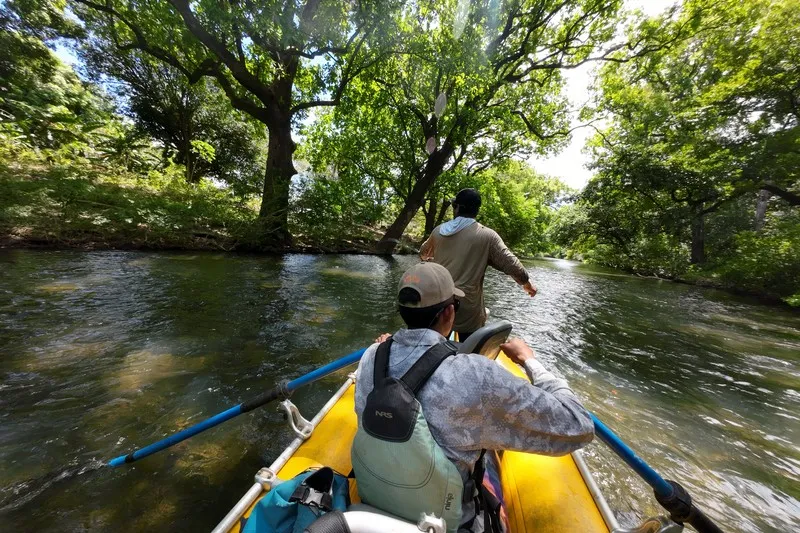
{"x":104,"y":351}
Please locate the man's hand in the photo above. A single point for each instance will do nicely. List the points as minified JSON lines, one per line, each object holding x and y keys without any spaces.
{"x":383,"y":338}
{"x":518,"y":351}
{"x":530,"y":288}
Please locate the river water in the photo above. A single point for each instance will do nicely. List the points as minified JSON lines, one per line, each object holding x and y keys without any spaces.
{"x":102,"y":352}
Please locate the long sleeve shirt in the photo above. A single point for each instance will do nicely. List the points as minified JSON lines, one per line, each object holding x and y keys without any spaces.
{"x":466,"y":254}
{"x":471,"y":403}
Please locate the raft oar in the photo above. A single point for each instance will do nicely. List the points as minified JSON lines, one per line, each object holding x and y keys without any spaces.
{"x":282,"y":390}
{"x":670,"y":494}
{"x":22,"y":492}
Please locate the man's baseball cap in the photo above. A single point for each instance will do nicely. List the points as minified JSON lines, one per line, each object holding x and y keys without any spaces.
{"x":432,"y":281}
{"x":468,"y":198}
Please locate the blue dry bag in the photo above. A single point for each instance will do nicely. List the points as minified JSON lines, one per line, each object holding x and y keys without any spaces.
{"x":295,"y":504}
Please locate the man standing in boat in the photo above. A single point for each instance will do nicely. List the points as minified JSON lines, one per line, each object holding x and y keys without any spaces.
{"x":425,"y":417}
{"x":465,"y":248}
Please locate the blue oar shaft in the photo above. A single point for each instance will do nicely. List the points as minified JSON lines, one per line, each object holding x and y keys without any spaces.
{"x":277,"y":392}
{"x":670,"y":494}
{"x":345,"y":361}
{"x":659,"y":484}
{"x":178,"y":437}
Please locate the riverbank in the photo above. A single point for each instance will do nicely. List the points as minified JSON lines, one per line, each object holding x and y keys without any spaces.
{"x":96,"y":208}
{"x":99,"y":208}
{"x":708,"y":278}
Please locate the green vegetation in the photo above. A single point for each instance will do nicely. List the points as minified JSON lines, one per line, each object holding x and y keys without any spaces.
{"x":696,"y":176}
{"x":339,"y":126}
{"x":76,"y":204}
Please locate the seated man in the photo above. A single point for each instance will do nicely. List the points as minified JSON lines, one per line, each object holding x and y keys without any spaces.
{"x":424,"y":416}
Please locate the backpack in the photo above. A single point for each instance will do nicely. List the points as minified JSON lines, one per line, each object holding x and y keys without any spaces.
{"x":399,"y":466}
{"x":295,"y":504}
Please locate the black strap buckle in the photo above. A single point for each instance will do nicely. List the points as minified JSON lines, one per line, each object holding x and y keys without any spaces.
{"x":312,"y":498}
{"x":316,"y":490}
{"x":469,"y":491}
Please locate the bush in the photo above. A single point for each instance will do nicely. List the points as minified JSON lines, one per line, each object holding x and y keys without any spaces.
{"x":658,"y":255}
{"x":77,"y":202}
{"x":327,"y":208}
{"x":766,"y":262}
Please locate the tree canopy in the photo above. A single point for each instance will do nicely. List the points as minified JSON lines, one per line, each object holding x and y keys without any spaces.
{"x":274,"y":61}
{"x":701,"y":135}
{"x":340,"y":122}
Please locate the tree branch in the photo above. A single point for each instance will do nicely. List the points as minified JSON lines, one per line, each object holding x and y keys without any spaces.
{"x":792,"y":198}
{"x":347,"y":76}
{"x":219,"y":49}
{"x":207,"y":67}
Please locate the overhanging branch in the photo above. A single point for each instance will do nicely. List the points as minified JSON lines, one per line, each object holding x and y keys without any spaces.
{"x":792,"y":198}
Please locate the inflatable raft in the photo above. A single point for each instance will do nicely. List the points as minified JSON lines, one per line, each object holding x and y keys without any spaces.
{"x":539,"y":493}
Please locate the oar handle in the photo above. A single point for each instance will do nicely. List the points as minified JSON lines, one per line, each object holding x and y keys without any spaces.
{"x":283,"y":390}
{"x":670,"y":494}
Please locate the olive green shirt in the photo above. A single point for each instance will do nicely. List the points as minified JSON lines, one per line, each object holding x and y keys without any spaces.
{"x":466,"y":254}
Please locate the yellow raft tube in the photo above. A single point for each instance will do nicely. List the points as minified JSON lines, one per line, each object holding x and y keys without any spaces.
{"x":542,"y":494}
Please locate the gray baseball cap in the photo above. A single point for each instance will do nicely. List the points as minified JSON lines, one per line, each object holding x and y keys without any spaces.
{"x":432,"y":281}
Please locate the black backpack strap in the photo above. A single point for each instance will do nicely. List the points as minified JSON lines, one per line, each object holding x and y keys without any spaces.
{"x":475,"y":479}
{"x":427,"y":364}
{"x":381,"y":362}
{"x":485,"y":501}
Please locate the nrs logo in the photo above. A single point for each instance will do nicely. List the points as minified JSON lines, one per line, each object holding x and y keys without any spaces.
{"x":383,"y":414}
{"x":448,"y":501}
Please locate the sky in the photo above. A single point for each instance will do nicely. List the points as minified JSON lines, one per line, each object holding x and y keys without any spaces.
{"x":570,"y":164}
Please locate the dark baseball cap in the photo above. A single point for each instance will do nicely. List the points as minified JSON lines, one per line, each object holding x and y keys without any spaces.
{"x":469,"y":199}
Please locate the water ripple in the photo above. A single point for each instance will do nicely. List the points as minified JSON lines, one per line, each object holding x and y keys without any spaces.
{"x":100,"y":352}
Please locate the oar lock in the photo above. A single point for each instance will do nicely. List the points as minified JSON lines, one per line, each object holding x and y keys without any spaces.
{"x":678,"y":504}
{"x":301,"y":427}
{"x":267,"y":478}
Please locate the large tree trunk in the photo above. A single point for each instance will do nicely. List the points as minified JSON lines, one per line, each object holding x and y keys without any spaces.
{"x":442,"y":211}
{"x":274,"y":211}
{"x":698,"y":237}
{"x":187,"y":157}
{"x":761,"y":208}
{"x":433,"y":170}
{"x":430,"y":215}
{"x":191,"y":168}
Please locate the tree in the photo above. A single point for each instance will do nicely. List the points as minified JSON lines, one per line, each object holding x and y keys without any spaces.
{"x":274,"y":61}
{"x":44,"y":102}
{"x":519,"y":204}
{"x":473,"y":88}
{"x":167,"y":108}
{"x":700,"y":124}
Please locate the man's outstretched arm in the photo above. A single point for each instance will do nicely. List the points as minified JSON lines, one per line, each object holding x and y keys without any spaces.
{"x":504,"y":260}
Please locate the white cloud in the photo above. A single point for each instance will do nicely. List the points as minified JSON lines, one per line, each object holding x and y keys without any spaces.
{"x":570,"y":163}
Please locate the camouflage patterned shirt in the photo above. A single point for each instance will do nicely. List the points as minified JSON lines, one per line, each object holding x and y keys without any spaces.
{"x":472,"y":403}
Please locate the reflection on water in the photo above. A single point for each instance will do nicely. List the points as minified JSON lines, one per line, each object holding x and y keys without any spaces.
{"x":706,"y":386}
{"x":101,"y":352}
